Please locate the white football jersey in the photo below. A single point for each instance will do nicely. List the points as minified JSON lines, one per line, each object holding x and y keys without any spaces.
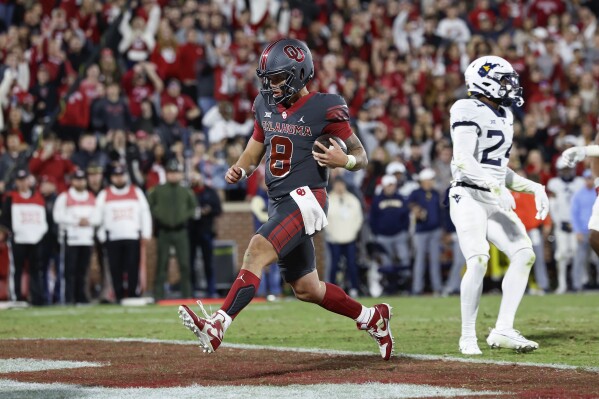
{"x":563,"y":191}
{"x":495,"y":130}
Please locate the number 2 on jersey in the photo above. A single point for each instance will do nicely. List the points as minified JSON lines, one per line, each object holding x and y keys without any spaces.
{"x":281,"y":150}
{"x":488,"y":151}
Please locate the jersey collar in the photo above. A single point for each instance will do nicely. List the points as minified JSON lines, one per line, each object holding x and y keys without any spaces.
{"x":296,"y":105}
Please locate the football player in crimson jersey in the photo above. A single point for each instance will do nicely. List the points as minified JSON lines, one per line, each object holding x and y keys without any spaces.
{"x":288,"y":120}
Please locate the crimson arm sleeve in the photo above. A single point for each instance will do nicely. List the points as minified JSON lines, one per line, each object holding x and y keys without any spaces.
{"x":258,"y":133}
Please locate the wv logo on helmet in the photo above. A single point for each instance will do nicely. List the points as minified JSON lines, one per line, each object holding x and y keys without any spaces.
{"x":295,"y":53}
{"x":485,"y":69}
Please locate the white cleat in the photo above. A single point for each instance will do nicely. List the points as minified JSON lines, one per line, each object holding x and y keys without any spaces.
{"x":510,"y":339}
{"x":469,"y":346}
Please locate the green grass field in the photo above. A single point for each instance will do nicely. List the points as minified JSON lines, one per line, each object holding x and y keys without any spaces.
{"x":566,"y":327}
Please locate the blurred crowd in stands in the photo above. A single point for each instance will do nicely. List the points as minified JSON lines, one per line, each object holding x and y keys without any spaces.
{"x":121,"y":87}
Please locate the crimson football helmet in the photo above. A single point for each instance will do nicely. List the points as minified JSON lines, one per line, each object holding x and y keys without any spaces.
{"x":290,"y":57}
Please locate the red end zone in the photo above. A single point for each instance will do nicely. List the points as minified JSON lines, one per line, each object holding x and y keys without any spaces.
{"x":152,"y":365}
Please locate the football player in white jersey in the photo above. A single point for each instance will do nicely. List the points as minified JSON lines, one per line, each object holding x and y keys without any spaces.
{"x":563,"y":187}
{"x":577,"y":154}
{"x":481,"y":206}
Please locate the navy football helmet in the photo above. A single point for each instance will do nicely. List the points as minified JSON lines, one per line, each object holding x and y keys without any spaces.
{"x":292,"y":59}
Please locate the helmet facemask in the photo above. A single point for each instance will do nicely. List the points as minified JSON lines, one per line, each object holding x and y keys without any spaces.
{"x":286,"y":87}
{"x":510,"y":91}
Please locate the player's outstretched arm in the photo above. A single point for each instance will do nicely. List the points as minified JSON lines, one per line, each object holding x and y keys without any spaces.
{"x":249,"y":159}
{"x":516,"y":182}
{"x":577,"y":154}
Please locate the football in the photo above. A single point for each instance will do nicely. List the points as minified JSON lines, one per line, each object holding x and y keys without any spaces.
{"x":324,"y":140}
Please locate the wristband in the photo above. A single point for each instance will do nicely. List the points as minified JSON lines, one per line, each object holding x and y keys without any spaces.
{"x":351,"y":162}
{"x":591,"y":150}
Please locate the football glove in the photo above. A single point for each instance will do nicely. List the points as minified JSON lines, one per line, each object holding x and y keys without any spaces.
{"x":574,"y":155}
{"x":504,"y":197}
{"x":542,"y":203}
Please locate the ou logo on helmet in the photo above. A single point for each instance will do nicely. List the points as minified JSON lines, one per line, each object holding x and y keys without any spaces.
{"x":295,"y":53}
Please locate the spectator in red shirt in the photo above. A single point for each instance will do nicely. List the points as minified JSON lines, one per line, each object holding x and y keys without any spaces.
{"x":479,"y":13}
{"x":165,"y":53}
{"x":49,"y":161}
{"x":139,"y":83}
{"x":189,"y":112}
{"x":190,"y":54}
{"x":76,"y":114}
{"x":540,"y":10}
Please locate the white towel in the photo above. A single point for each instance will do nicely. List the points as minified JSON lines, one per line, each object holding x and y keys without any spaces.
{"x":314,"y":217}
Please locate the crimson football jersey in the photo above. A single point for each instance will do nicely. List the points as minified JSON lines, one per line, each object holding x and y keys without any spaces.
{"x":289,"y":134}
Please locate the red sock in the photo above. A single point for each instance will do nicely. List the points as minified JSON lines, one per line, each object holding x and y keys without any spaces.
{"x":241,"y":293}
{"x":337,"y":301}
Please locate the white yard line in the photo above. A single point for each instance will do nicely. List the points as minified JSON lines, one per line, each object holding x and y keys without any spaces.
{"x":20,"y":365}
{"x":340,"y":353}
{"x":21,"y":390}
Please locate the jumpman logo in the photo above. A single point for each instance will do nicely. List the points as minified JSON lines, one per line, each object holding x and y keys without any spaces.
{"x":241,"y":278}
{"x":301,"y":120}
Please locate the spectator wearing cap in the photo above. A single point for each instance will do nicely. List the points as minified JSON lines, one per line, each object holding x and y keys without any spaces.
{"x":24,"y":214}
{"x":73,"y":212}
{"x":390,"y":223}
{"x":123,"y":213}
{"x":425,"y":204}
{"x":110,"y":112}
{"x":12,"y":160}
{"x":188,"y":111}
{"x":405,"y":185}
{"x":49,"y":161}
{"x":172,"y":206}
{"x":345,"y":222}
{"x":582,"y":207}
{"x":202,"y":229}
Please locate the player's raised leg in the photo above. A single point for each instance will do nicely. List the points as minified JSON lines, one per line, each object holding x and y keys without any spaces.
{"x":210,"y":329}
{"x":299,"y":270}
{"x":507,"y":232}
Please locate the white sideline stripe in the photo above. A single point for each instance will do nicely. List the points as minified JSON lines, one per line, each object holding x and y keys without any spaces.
{"x":557,"y":366}
{"x":20,"y":364}
{"x":22,"y":390}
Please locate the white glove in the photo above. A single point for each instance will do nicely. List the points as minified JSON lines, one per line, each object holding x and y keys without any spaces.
{"x":505,"y":199}
{"x":542,"y":203}
{"x":574,"y":155}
